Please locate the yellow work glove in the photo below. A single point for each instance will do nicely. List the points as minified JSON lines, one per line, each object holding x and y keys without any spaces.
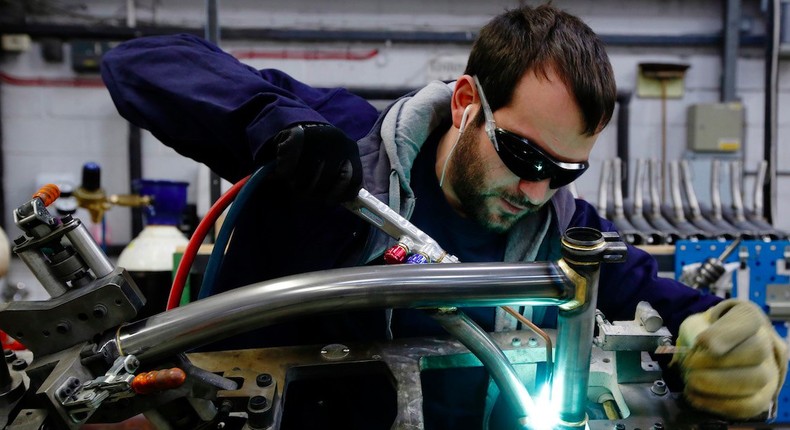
{"x":732,"y":360}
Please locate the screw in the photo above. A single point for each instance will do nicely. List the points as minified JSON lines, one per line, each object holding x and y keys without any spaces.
{"x":658,"y":426}
{"x":532,"y":342}
{"x":515,"y":341}
{"x":263,"y":380}
{"x":99,"y":311}
{"x":19,"y":364}
{"x":619,"y":426}
{"x":10,"y":355}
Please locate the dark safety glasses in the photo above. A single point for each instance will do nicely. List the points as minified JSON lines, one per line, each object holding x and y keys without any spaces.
{"x":524,"y":158}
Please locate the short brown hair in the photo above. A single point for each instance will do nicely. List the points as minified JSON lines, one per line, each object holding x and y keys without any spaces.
{"x":541,"y":39}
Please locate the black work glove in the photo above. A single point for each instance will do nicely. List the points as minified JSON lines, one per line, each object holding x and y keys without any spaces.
{"x":315,"y":162}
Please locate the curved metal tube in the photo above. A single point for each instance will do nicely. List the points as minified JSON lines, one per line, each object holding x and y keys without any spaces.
{"x":483,"y":347}
{"x":403,"y":286}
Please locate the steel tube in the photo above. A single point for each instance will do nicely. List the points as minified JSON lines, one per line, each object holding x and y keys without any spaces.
{"x":90,"y":252}
{"x":574,"y":350}
{"x":499,"y":368}
{"x":39,"y":266}
{"x":404,"y":286}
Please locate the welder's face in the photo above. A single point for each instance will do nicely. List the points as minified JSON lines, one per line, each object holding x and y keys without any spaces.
{"x":543,"y":112}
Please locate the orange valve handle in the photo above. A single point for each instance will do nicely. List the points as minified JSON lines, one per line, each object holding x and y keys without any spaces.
{"x":158,"y":380}
{"x":48,"y":194}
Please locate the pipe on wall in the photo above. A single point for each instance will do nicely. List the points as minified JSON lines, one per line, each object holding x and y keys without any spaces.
{"x":623,"y":127}
{"x":732,"y":28}
{"x":770,"y":152}
{"x":68,"y":31}
{"x":135,"y":149}
{"x":212,"y":34}
{"x":2,"y":165}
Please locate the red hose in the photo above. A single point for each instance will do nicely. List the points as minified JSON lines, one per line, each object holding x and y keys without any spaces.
{"x":197,"y":239}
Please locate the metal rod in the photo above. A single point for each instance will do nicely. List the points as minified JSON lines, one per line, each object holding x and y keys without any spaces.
{"x":135,"y":148}
{"x":603,"y":186}
{"x":212,"y":34}
{"x":40,"y":268}
{"x":537,"y":330}
{"x":770,"y":149}
{"x":617,"y":190}
{"x":656,"y":177}
{"x":403,"y":286}
{"x":499,"y":368}
{"x":639,"y":179}
{"x":570,"y":383}
{"x":715,"y":191}
{"x":623,"y":146}
{"x":736,"y":191}
{"x":109,"y":32}
{"x":664,"y":160}
{"x":674,"y":186}
{"x":732,"y":30}
{"x":90,"y":252}
{"x":759,"y":181}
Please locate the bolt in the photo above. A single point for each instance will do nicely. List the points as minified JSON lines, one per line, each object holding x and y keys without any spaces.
{"x":19,"y":364}
{"x":263,"y":380}
{"x":99,"y":311}
{"x":658,"y":426}
{"x":257,"y":403}
{"x":10,"y":355}
{"x":63,"y":327}
{"x":619,"y":426}
{"x":659,"y":388}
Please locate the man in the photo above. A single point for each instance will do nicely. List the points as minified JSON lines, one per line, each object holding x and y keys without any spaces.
{"x":479,"y":164}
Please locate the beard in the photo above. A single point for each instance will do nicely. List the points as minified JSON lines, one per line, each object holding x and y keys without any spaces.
{"x":467,"y":177}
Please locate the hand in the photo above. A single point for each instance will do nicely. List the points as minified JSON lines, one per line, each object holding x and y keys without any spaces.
{"x":315,"y":162}
{"x":732,"y":360}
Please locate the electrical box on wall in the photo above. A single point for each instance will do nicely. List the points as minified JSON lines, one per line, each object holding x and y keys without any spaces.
{"x":15,"y":42}
{"x":715,"y":127}
{"x":86,"y":54}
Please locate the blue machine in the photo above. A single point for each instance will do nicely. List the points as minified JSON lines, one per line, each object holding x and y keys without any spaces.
{"x":762,"y":276}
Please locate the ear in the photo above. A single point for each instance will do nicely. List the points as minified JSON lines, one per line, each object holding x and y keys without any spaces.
{"x":464,"y":94}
